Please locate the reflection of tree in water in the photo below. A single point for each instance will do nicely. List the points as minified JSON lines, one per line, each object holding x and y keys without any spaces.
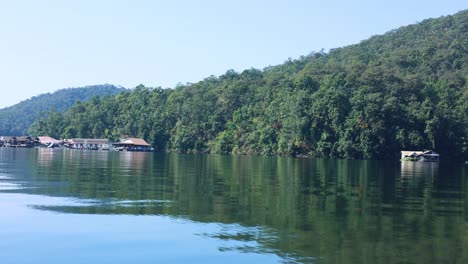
{"x":334,"y":210}
{"x":254,"y":240}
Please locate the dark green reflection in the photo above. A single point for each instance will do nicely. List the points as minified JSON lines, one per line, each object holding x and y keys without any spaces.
{"x":323,"y":211}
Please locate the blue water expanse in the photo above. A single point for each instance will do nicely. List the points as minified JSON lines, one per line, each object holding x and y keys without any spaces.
{"x":37,"y":236}
{"x":65,"y":206}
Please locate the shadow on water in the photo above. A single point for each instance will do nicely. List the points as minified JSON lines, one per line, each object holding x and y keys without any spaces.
{"x":303,"y":210}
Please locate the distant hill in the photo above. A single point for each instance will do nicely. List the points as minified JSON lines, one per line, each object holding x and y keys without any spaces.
{"x":15,"y":120}
{"x":404,"y":90}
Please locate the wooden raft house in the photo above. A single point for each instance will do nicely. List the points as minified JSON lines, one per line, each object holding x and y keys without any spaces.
{"x":133,"y":144}
{"x":50,"y":142}
{"x":426,"y":155}
{"x":18,"y":141}
{"x":88,"y":143}
{"x":127,"y":144}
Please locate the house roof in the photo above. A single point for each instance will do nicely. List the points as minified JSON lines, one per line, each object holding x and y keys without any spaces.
{"x":47,"y":139}
{"x":18,"y":138}
{"x":24,"y":138}
{"x":134,"y":141}
{"x":89,"y":141}
{"x":411,"y":152}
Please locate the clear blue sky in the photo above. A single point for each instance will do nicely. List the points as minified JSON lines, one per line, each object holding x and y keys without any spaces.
{"x":49,"y":45}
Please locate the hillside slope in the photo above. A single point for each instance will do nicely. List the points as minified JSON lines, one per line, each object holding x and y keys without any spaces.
{"x":16,"y":119}
{"x":406,"y":89}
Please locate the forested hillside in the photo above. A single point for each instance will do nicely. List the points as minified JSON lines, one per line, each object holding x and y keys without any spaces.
{"x":15,"y":120}
{"x":406,"y":89}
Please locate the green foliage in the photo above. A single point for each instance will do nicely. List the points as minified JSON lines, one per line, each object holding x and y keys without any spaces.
{"x":406,"y":89}
{"x":15,"y":120}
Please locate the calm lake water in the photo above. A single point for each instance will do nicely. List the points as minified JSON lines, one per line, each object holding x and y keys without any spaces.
{"x":64,"y":206}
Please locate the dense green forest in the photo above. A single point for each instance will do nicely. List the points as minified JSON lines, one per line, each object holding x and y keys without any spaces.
{"x":406,"y":89}
{"x":15,"y":120}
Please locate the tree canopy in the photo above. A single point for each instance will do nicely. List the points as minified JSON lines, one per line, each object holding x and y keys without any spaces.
{"x":15,"y":120}
{"x":406,"y":89}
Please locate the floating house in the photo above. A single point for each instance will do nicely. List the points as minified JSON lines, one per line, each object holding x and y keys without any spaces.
{"x":18,"y":142}
{"x":89,"y":143}
{"x":426,"y":155}
{"x":133,"y":144}
{"x":49,"y":141}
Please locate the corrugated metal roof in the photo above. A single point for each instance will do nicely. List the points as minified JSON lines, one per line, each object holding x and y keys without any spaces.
{"x":47,"y":139}
{"x":411,"y":152}
{"x":89,"y":141}
{"x":135,"y":141}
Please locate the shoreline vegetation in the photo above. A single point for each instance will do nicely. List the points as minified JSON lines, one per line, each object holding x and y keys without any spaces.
{"x":15,"y":120}
{"x":406,"y":89}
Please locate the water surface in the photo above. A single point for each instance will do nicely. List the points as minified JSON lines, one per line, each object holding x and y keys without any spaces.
{"x":64,"y":206}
